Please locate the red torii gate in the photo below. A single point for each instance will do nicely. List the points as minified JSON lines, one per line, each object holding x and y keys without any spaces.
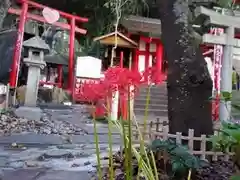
{"x":24,"y":15}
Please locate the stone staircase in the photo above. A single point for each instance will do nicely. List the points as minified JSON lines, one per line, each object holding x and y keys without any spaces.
{"x":158,"y":101}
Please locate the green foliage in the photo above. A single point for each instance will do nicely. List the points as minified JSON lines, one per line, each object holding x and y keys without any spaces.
{"x":180,"y":158}
{"x":228,"y":137}
{"x":226,"y":96}
{"x":235,"y":178}
{"x":225,"y":3}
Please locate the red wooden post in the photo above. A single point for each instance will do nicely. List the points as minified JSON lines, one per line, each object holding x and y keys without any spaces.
{"x":147,"y":60}
{"x":121,"y":59}
{"x":159,"y":60}
{"x":60,"y":69}
{"x":135,"y":60}
{"x":71,"y":56}
{"x":18,"y":47}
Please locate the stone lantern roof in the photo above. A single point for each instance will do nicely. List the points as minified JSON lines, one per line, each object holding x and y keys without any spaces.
{"x":36,"y":43}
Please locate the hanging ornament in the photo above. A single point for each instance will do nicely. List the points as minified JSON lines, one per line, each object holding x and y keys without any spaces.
{"x":50,"y":15}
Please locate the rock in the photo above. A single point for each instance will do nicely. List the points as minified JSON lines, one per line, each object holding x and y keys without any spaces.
{"x":46,"y":130}
{"x":54,"y":131}
{"x":31,"y":163}
{"x":16,"y":164}
{"x":87,"y":163}
{"x":31,"y":113}
{"x":75,"y":165}
{"x":71,"y":146}
{"x":22,"y":120}
{"x":58,"y":153}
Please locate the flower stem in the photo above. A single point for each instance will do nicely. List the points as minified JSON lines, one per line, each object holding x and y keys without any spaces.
{"x":144,"y":130}
{"x":99,"y":170}
{"x":130,"y":135}
{"x":125,"y":146}
{"x":111,"y":171}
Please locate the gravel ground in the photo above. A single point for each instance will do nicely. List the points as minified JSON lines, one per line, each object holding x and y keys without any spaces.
{"x":11,"y":124}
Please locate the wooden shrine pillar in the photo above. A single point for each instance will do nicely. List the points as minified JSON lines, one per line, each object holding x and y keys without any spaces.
{"x":159,"y":61}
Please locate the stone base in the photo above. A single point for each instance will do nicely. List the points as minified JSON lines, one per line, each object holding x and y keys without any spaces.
{"x":31,"y":113}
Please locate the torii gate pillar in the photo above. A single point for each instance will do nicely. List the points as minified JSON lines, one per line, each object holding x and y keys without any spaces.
{"x":229,"y":23}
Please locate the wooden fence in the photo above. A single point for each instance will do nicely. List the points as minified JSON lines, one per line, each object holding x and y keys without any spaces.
{"x":159,"y":130}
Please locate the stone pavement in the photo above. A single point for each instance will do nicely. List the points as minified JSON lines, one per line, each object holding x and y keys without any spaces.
{"x":49,"y":156}
{"x":32,"y":156}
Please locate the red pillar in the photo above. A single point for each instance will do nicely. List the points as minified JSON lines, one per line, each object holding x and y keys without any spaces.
{"x":121,"y":59}
{"x":18,"y":47}
{"x":159,"y":61}
{"x":147,"y":60}
{"x":135,"y":60}
{"x":71,"y":56}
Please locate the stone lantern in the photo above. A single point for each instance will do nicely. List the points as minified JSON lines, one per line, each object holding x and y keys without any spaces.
{"x":36,"y":48}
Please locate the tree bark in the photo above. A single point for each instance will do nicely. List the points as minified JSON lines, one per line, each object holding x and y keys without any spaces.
{"x":189,"y":82}
{"x":4,"y":6}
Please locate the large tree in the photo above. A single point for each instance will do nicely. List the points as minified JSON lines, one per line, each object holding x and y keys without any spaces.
{"x":189,"y":82}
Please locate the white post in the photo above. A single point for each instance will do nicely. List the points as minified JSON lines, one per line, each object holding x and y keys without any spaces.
{"x":3,"y":91}
{"x":226,"y":75}
{"x":114,"y":106}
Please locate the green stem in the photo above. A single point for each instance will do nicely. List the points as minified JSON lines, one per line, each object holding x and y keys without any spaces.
{"x":111,"y":171}
{"x":99,"y":170}
{"x":130,"y":136}
{"x":125,"y":147}
{"x":144,"y":130}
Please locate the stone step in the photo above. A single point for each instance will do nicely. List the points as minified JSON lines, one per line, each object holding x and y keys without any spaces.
{"x":157,"y":112}
{"x":151,"y":106}
{"x":152,"y":96}
{"x":153,"y":90}
{"x":152,"y":101}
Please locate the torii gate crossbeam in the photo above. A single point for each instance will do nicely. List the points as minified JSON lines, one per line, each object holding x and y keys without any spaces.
{"x":24,"y":15}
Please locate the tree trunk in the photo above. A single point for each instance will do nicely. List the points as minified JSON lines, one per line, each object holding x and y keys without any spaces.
{"x":4,"y":6}
{"x":189,"y":82}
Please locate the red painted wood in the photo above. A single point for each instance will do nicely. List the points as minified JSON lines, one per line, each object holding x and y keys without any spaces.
{"x":42,"y":19}
{"x":66,"y":15}
{"x":149,"y":39}
{"x":121,"y":59}
{"x":23,"y":13}
{"x":18,"y":47}
{"x":136,"y":60}
{"x":71,"y":56}
{"x":159,"y":60}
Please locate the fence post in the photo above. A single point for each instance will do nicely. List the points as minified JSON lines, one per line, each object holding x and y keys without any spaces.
{"x":150,"y":130}
{"x":226,"y":155}
{"x":157,"y":124}
{"x":179,"y":138}
{"x":165,"y":132}
{"x":190,"y":140}
{"x":203,"y":147}
{"x":215,"y":157}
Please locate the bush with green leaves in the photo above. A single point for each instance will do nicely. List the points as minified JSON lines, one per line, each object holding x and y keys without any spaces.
{"x":228,"y":139}
{"x":176,"y":156}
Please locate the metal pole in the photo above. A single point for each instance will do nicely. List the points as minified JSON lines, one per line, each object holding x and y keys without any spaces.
{"x":226,"y":75}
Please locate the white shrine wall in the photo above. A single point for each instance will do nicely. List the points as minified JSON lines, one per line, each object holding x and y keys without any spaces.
{"x":146,"y":51}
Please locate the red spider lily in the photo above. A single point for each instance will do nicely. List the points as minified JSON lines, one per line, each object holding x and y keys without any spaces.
{"x":94,"y":92}
{"x":100,"y":110}
{"x":117,"y":78}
